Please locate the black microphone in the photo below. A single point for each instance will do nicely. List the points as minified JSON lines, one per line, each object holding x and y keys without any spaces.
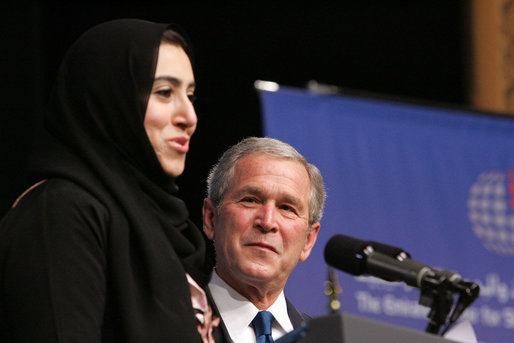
{"x":358,"y":257}
{"x":357,"y":244}
{"x":390,"y":263}
{"x":388,"y":250}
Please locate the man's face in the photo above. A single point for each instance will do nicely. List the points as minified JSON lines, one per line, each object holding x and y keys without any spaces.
{"x":261,"y":229}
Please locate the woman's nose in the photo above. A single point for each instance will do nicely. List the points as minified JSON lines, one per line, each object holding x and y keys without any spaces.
{"x":185,"y":114}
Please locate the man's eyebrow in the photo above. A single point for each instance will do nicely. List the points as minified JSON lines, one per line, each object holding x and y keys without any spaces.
{"x":248,"y":190}
{"x":174,"y":80}
{"x":251,"y":190}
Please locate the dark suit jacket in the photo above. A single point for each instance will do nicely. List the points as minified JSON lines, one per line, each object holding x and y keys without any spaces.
{"x":221,"y":335}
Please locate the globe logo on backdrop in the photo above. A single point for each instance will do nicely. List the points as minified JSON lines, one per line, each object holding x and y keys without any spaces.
{"x":491,"y":210}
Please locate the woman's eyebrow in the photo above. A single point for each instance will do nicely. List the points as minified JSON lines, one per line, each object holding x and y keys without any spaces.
{"x":174,"y":80}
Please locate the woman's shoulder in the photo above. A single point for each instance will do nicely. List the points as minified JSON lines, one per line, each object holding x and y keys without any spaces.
{"x":57,"y":201}
{"x":57,"y":191}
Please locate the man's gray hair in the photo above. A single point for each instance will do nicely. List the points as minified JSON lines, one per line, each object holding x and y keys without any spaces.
{"x":220,"y":176}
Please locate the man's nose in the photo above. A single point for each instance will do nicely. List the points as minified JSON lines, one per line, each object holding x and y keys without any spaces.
{"x":267,"y":218}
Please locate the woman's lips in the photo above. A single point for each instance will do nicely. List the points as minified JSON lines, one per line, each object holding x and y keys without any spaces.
{"x":180,"y":144}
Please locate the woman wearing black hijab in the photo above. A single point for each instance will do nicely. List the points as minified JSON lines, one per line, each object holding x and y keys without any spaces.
{"x":100,"y":249}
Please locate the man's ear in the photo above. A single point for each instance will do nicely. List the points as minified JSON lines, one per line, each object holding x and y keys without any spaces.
{"x":309,"y":241}
{"x":209,"y":212}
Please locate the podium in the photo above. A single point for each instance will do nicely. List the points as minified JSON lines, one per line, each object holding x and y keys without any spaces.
{"x":348,"y":328}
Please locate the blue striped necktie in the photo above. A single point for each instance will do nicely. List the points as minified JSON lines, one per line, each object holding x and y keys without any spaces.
{"x":262,"y":325}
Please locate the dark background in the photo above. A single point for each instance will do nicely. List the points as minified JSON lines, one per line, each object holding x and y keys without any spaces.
{"x":406,"y":50}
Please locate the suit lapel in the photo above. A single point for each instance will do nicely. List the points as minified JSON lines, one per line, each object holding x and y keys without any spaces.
{"x":296,"y":316}
{"x":219,"y":333}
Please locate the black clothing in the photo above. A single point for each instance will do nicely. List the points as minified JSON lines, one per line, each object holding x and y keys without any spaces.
{"x":99,"y":251}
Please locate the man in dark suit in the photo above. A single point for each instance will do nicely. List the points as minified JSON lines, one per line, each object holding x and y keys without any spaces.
{"x":262,"y":212}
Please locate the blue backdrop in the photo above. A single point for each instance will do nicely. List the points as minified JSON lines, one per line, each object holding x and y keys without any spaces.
{"x":435,"y":181}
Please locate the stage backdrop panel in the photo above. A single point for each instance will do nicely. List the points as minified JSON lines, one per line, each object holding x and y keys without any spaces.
{"x":434,"y":181}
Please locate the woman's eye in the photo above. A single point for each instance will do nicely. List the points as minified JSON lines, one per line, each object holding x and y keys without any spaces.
{"x":164,"y":92}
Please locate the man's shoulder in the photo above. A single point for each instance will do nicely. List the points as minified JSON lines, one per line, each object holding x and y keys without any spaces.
{"x":296,"y":316}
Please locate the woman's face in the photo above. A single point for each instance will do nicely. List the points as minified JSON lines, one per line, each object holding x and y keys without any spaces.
{"x":170,"y":118}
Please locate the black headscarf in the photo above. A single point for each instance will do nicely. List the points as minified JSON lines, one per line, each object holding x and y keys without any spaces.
{"x":94,"y":136}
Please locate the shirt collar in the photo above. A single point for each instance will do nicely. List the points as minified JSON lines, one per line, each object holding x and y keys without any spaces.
{"x":237,"y":312}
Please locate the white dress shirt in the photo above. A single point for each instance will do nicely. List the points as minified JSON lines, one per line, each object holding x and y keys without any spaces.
{"x":237,"y":312}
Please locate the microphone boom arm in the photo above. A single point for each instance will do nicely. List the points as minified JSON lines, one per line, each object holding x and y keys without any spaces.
{"x":438,"y":287}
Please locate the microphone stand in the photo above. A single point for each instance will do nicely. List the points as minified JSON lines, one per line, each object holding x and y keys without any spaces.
{"x":332,"y":291}
{"x":469,"y":292}
{"x":436,"y":294}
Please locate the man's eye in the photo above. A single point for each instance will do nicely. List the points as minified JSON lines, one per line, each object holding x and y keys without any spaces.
{"x":287,"y":208}
{"x":290,"y":210}
{"x":250,"y":200}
